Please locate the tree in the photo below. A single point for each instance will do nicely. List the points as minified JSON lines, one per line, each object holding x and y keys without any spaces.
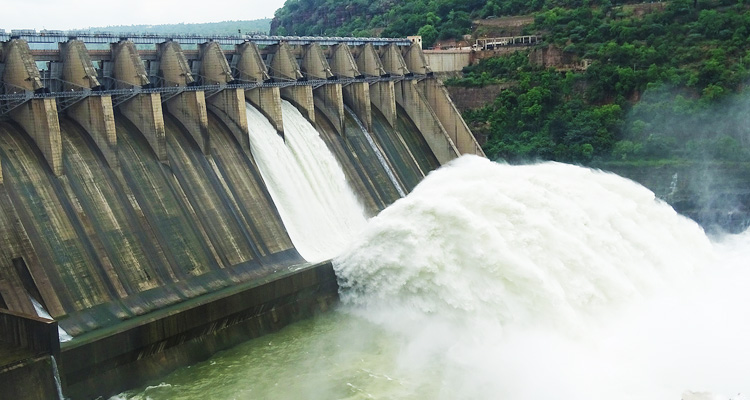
{"x":429,"y":35}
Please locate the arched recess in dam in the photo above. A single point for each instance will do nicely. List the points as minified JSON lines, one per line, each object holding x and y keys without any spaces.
{"x":123,"y":208}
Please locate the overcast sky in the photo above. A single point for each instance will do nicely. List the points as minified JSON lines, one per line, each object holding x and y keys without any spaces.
{"x":78,"y":14}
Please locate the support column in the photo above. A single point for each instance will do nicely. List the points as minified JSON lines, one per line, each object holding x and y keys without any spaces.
{"x":356,"y":95}
{"x":439,"y":100}
{"x":328,"y":98}
{"x":428,"y":123}
{"x":381,"y":93}
{"x":144,"y":110}
{"x":94,"y":113}
{"x":229,"y":104}
{"x":38,"y":117}
{"x":302,"y":98}
{"x":268,"y":101}
{"x":189,"y":107}
{"x":251,"y":68}
{"x":283,"y":63}
{"x":284,"y":67}
{"x":393,"y":62}
{"x":415,"y":60}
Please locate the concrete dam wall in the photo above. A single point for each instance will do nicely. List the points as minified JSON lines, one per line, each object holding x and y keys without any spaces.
{"x":132,"y":209}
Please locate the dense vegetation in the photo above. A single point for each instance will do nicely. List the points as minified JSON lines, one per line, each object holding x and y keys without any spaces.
{"x":208,"y":28}
{"x":433,"y":19}
{"x":666,"y":85}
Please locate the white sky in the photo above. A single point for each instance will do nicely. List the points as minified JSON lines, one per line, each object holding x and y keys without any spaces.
{"x":80,"y":14}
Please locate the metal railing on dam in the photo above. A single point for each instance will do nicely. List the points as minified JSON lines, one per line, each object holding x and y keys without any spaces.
{"x":56,"y":36}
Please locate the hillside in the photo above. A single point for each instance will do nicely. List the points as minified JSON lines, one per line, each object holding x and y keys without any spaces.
{"x":209,"y":28}
{"x":657,"y":76}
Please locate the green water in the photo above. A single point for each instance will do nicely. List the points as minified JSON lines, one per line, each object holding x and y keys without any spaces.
{"x":334,"y":356}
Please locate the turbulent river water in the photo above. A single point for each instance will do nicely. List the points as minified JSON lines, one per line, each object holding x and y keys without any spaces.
{"x":492,"y":281}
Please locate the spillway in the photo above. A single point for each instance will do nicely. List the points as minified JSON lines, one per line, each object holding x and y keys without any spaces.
{"x":319,"y":209}
{"x":159,"y":220}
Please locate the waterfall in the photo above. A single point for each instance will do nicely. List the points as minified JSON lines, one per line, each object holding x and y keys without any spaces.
{"x":58,"y":381}
{"x":307,"y":184}
{"x":378,"y":153}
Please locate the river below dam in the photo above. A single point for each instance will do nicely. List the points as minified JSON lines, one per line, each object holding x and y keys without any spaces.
{"x":491,"y":281}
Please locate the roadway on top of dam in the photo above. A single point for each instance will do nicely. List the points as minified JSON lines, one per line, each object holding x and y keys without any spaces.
{"x":50,"y":36}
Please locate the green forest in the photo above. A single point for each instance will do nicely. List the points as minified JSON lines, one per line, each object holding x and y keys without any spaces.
{"x":662,"y":86}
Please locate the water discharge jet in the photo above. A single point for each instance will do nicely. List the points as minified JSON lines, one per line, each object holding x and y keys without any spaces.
{"x":320,"y":211}
{"x":532,"y":282}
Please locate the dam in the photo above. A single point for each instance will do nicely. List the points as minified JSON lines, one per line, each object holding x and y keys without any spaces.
{"x":138,"y":213}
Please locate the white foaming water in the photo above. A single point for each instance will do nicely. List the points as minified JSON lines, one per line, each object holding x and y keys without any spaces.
{"x":491,"y":281}
{"x":319,"y":209}
{"x":551,"y":281}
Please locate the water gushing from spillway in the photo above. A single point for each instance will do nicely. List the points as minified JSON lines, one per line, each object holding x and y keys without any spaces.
{"x":308,"y":186}
{"x":491,"y":281}
{"x":544,"y":281}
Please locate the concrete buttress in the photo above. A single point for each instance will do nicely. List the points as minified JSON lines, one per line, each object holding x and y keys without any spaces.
{"x":283,"y":65}
{"x":229,"y":104}
{"x":437,"y":97}
{"x":189,"y":107}
{"x":249,"y":63}
{"x":393,"y":61}
{"x":417,"y":107}
{"x":143,"y":110}
{"x":426,"y":120}
{"x":416,"y":61}
{"x":268,"y":102}
{"x":439,"y":100}
{"x":38,"y":117}
{"x":251,"y":68}
{"x":329,"y":98}
{"x":94,"y":113}
{"x":381,"y":93}
{"x":357,"y":94}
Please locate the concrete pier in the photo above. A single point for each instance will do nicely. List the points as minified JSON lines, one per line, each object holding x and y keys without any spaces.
{"x":416,"y":106}
{"x":251,"y":68}
{"x":329,"y":98}
{"x":189,"y":107}
{"x":382,"y":94}
{"x":38,"y":117}
{"x":94,"y":113}
{"x":144,"y":110}
{"x":439,"y":100}
{"x":356,"y":95}
{"x":284,"y":67}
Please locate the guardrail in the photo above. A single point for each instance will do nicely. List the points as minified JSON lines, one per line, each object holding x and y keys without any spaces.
{"x":10,"y":101}
{"x":50,"y":36}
